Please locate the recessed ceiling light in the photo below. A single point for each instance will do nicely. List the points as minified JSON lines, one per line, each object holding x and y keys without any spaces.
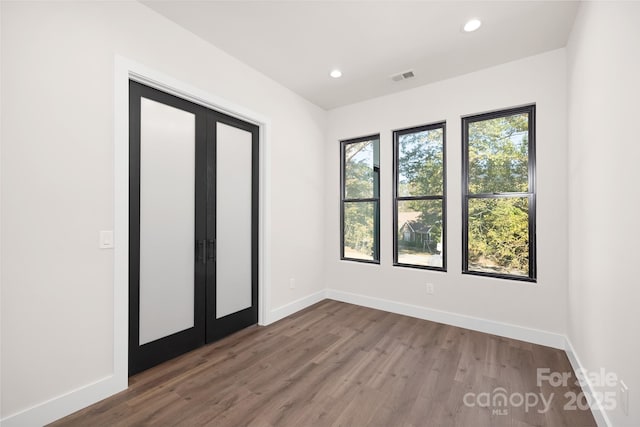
{"x":472,"y":25}
{"x":336,"y":74}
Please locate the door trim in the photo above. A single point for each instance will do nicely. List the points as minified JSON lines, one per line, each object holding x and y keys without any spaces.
{"x":117,"y":380}
{"x":125,"y":70}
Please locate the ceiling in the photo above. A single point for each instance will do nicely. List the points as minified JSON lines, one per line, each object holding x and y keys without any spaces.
{"x":297,"y":43}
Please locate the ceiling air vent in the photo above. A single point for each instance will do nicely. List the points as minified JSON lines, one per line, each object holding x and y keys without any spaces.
{"x":403,"y":76}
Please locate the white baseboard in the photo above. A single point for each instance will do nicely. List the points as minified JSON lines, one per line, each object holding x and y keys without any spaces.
{"x":295,"y":306}
{"x":68,"y":403}
{"x":82,"y":397}
{"x":598,"y":411}
{"x":521,"y":333}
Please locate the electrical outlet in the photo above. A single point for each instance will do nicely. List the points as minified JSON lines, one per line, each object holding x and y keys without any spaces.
{"x":430,"y":289}
{"x":624,"y":397}
{"x":292,"y":283}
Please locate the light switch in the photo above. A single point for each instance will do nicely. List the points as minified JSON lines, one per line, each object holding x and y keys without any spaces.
{"x":106,"y":239}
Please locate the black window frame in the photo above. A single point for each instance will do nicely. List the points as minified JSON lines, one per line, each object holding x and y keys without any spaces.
{"x":375,"y":200}
{"x":396,"y":158}
{"x":530,"y":194}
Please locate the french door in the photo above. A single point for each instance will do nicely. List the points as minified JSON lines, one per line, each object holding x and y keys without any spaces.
{"x":193,"y":215}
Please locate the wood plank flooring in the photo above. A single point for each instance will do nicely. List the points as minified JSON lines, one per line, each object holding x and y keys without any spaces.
{"x":336,"y":364}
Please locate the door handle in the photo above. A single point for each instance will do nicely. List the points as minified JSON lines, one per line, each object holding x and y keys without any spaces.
{"x":202,"y":249}
{"x":211,"y":250}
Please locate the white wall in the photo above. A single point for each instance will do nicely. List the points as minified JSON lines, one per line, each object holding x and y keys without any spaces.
{"x":540,"y":79}
{"x":57,"y":184}
{"x":57,"y":180}
{"x":604,"y":177}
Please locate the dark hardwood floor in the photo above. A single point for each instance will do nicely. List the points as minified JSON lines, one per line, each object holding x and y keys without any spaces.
{"x":336,"y":364}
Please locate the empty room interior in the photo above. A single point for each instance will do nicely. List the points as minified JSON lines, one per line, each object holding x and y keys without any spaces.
{"x":319,"y":213}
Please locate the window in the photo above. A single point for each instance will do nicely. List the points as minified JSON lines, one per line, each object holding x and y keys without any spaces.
{"x":498,"y":190}
{"x":360,"y":199}
{"x":419,"y":197}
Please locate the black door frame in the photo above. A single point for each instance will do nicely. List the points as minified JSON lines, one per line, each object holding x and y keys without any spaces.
{"x":219,"y":328}
{"x":206,"y":327}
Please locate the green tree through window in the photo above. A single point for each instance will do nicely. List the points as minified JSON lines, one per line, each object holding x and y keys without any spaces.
{"x":419,"y":197}
{"x":360,"y":199}
{"x":499,"y":197}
